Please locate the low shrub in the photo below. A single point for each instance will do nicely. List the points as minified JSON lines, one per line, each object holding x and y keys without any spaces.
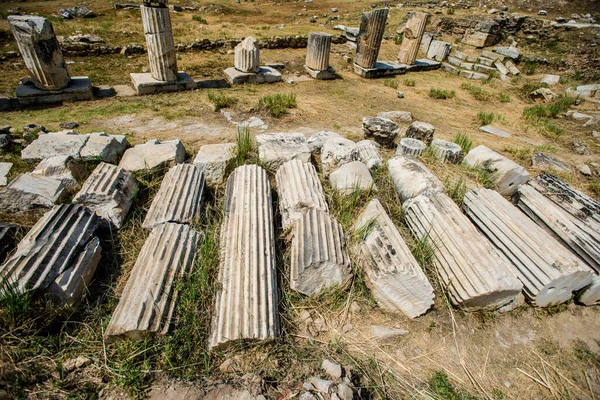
{"x":277,"y":104}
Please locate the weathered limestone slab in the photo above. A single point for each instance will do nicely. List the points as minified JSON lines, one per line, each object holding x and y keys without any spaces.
{"x":368,"y":153}
{"x":421,"y":131}
{"x":148,"y":299}
{"x":79,"y":89}
{"x":8,"y":239}
{"x":372,"y":27}
{"x":317,"y":56}
{"x":446,"y":151}
{"x":247,"y":56}
{"x":145,"y":83}
{"x":153,"y":155}
{"x":449,"y":68}
{"x":29,"y":192}
{"x":394,"y":275}
{"x":108,"y":192}
{"x":41,"y":52}
{"x":159,"y":41}
{"x":507,"y":174}
{"x":316,"y":141}
{"x":439,"y":50}
{"x":548,"y":271}
{"x":382,"y":130}
{"x":501,"y":67}
{"x":476,"y":277}
{"x":246,"y":305}
{"x":510,"y":52}
{"x":412,"y":177}
{"x":350,"y":177}
{"x":410,"y":147}
{"x":5,"y":168}
{"x":319,"y":259}
{"x":336,"y":152}
{"x":492,"y":55}
{"x":426,"y":42}
{"x":300,"y":190}
{"x":539,"y":159}
{"x":179,"y":198}
{"x":580,"y":237}
{"x":413,"y":33}
{"x":275,"y":149}
{"x":63,"y":168}
{"x":101,"y":146}
{"x":51,"y":247}
{"x":590,"y":296}
{"x":397,"y":116}
{"x":492,"y":130}
{"x":550,"y":80}
{"x":266,"y":74}
{"x":479,"y":39}
{"x":213,"y":160}
{"x":63,"y":143}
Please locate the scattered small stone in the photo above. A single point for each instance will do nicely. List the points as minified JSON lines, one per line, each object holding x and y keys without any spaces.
{"x":33,"y":128}
{"x":355,"y":307}
{"x":347,"y":328}
{"x":584,"y":169}
{"x":382,"y":332}
{"x":545,"y":160}
{"x":68,"y":125}
{"x":307,"y":396}
{"x":596,"y":134}
{"x":4,"y":170}
{"x":345,"y":392}
{"x":5,"y":140}
{"x":581,"y":148}
{"x":542,"y":12}
{"x":80,"y":11}
{"x":400,"y":95}
{"x":550,"y":80}
{"x":332,"y":369}
{"x":76,"y":363}
{"x":321,"y":385}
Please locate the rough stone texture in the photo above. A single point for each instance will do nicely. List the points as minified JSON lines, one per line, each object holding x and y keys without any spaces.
{"x":54,"y":245}
{"x":439,"y":50}
{"x":448,"y":152}
{"x":410,"y":147}
{"x":512,"y":68}
{"x":413,"y":33}
{"x":148,"y":299}
{"x":317,"y":51}
{"x":316,"y":141}
{"x":350,"y":177}
{"x":28,"y":192}
{"x":179,"y":198}
{"x":590,"y":296}
{"x":153,"y":155}
{"x":382,"y":130}
{"x":8,"y":239}
{"x":548,"y":271}
{"x":336,"y":152}
{"x":510,"y":52}
{"x":159,"y":41}
{"x":368,"y":153}
{"x":145,"y":83}
{"x":579,"y":236}
{"x":397,"y":116}
{"x":475,"y":276}
{"x":394,"y":275}
{"x":492,"y":130}
{"x":319,"y":259}
{"x":547,"y":161}
{"x":63,"y":143}
{"x":264,"y":75}
{"x":500,"y":67}
{"x":247,"y":56}
{"x":4,"y":170}
{"x":40,"y":51}
{"x":213,"y":160}
{"x":368,"y":43}
{"x":108,"y":192}
{"x":412,"y":177}
{"x":300,"y":190}
{"x":426,"y":42}
{"x":246,"y":306}
{"x":276,"y":148}
{"x":507,"y":174}
{"x":101,"y":146}
{"x":79,"y":89}
{"x":63,"y":168}
{"x":421,"y":131}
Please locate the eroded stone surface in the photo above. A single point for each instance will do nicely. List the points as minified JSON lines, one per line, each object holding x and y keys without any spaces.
{"x":213,"y":160}
{"x":30,"y":191}
{"x":4,"y":170}
{"x":101,"y":146}
{"x":421,"y":131}
{"x":247,"y":55}
{"x":316,"y":141}
{"x":63,"y":168}
{"x":368,"y":153}
{"x":413,"y":33}
{"x":396,"y":116}
{"x":63,"y":143}
{"x":547,"y":161}
{"x":382,"y":130}
{"x":350,"y":177}
{"x":507,"y":174}
{"x":336,"y":152}
{"x":446,"y":151}
{"x":153,"y":155}
{"x":368,"y":41}
{"x":276,"y":148}
{"x":412,"y":177}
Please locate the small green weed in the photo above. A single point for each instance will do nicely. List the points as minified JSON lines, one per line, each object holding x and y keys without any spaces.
{"x":277,"y":104}
{"x":392,"y":83}
{"x":443,"y":389}
{"x":530,"y":67}
{"x":442,"y":94}
{"x":504,"y":98}
{"x":451,"y":11}
{"x":485,"y":118}
{"x":200,"y":19}
{"x":220,"y":100}
{"x":476,"y":91}
{"x":595,"y":187}
{"x":464,"y":141}
{"x":244,"y":145}
{"x":456,"y":190}
{"x":409,"y":82}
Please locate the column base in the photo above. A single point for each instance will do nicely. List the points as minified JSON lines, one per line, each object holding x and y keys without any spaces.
{"x":424,"y":65}
{"x":382,"y":69}
{"x":264,"y":75}
{"x":326,"y":74}
{"x":146,"y":84}
{"x":79,"y":89}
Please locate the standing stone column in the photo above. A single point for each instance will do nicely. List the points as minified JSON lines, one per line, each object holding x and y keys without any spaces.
{"x":317,"y":51}
{"x":159,"y":40}
{"x":413,"y":33}
{"x":368,"y":42}
{"x":40,"y":51}
{"x":247,"y":56}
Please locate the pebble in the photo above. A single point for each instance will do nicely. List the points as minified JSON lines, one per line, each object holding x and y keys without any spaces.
{"x":584,"y":169}
{"x":332,"y":369}
{"x":400,"y":95}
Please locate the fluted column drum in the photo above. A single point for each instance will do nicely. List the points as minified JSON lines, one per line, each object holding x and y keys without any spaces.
{"x":317,"y":51}
{"x":159,"y":40}
{"x":40,"y":51}
{"x":413,"y":34}
{"x":372,"y":26}
{"x":247,"y":56}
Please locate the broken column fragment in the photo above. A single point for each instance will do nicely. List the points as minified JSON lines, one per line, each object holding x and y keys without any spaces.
{"x":548,"y":271}
{"x":394,"y":275}
{"x":411,"y":177}
{"x":335,"y":152}
{"x":410,"y":147}
{"x":148,"y":299}
{"x":413,"y":33}
{"x":63,"y":168}
{"x":368,"y":43}
{"x":108,"y":192}
{"x":213,"y":160}
{"x":153,"y":155}
{"x":421,"y":131}
{"x":590,"y":296}
{"x":447,"y":152}
{"x":351,"y":177}
{"x":101,"y":146}
{"x":30,"y":192}
{"x":299,"y":189}
{"x":506,"y":174}
{"x":476,"y":277}
{"x":63,"y":143}
{"x":317,"y":56}
{"x":319,"y":259}
{"x":275,"y":149}
{"x":368,"y":153}
{"x":179,"y":198}
{"x":246,"y":304}
{"x":247,"y":67}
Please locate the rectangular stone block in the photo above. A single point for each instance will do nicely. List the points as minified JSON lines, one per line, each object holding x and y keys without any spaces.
{"x":381,"y":70}
{"x":144,"y":83}
{"x":30,"y":191}
{"x":80,"y":88}
{"x":264,"y":75}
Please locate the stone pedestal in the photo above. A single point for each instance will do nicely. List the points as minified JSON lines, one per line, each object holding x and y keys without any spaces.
{"x":264,"y":75}
{"x":146,"y":84}
{"x":413,"y":33}
{"x":80,"y":88}
{"x":317,"y":56}
{"x":159,"y":41}
{"x":372,"y":26}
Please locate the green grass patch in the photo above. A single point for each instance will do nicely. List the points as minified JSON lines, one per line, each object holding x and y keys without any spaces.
{"x":504,"y":98}
{"x":277,"y":104}
{"x":392,"y":83}
{"x":475,"y":91}
{"x":410,"y":82}
{"x":220,"y":100}
{"x":485,"y":118}
{"x":441,"y":94}
{"x":456,"y":189}
{"x":464,"y":141}
{"x":442,"y":388}
{"x":595,"y":187}
{"x":244,"y":145}
{"x":200,"y":19}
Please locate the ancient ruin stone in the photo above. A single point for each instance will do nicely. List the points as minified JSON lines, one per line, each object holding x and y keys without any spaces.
{"x":438,"y":50}
{"x":475,"y":276}
{"x":5,"y":168}
{"x":368,"y":43}
{"x":316,"y":141}
{"x":397,"y":116}
{"x":300,"y":190}
{"x":350,"y":177}
{"x":425,"y":41}
{"x":547,"y":161}
{"x":506,"y":174}
{"x":448,"y":152}
{"x":413,"y":33}
{"x":247,"y":55}
{"x":590,"y":296}
{"x":319,"y":259}
{"x":149,"y":297}
{"x":550,"y":80}
{"x":51,"y":247}
{"x":153,"y":155}
{"x":368,"y":153}
{"x":544,"y":94}
{"x":29,"y":192}
{"x":276,"y":148}
{"x":63,"y":143}
{"x":412,"y":177}
{"x":410,"y":147}
{"x":40,"y":51}
{"x":512,"y":68}
{"x":510,"y":52}
{"x":108,"y":192}
{"x":382,"y":130}
{"x":548,"y":271}
{"x":336,"y":152}
{"x":179,"y":198}
{"x":317,"y":52}
{"x":63,"y":168}
{"x":421,"y":131}
{"x":246,"y":305}
{"x":394,"y":275}
{"x":493,"y":130}
{"x":159,"y":41}
{"x":108,"y":148}
{"x":8,"y":238}
{"x":213,"y":160}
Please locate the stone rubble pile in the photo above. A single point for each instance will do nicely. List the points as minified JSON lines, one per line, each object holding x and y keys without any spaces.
{"x":499,"y":62}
